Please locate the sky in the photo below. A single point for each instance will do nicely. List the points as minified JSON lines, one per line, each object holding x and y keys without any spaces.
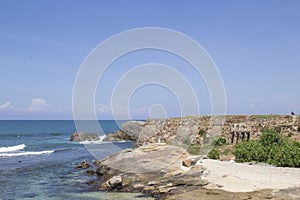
{"x":254,"y":44}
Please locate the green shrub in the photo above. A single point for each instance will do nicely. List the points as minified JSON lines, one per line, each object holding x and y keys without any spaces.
{"x":214,"y":154}
{"x":250,"y":151}
{"x":270,"y":137}
{"x":219,"y":141}
{"x":271,"y":149}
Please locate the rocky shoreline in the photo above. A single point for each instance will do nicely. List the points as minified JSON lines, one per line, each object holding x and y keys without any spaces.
{"x":160,"y":165}
{"x":169,"y":172}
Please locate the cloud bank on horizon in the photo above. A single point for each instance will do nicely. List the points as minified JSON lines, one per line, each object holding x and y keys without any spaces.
{"x":37,"y":105}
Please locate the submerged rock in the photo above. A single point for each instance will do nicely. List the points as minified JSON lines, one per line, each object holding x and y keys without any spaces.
{"x":82,"y":136}
{"x":83,"y":165}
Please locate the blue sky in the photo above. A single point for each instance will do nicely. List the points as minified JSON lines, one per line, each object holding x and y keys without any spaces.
{"x":255,"y":45}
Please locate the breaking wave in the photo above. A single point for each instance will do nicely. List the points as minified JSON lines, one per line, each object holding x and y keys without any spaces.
{"x":12,"y":148}
{"x":26,"y":153}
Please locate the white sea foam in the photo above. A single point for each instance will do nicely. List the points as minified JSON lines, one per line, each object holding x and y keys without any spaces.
{"x":100,"y":141}
{"x":26,"y":153}
{"x":12,"y":148}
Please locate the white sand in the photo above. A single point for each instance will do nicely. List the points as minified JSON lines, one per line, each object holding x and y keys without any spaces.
{"x":242,"y":177}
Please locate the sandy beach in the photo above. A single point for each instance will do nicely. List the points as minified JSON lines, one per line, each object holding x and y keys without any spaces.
{"x":242,"y":177}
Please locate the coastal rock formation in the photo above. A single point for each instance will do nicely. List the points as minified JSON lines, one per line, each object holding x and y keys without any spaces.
{"x":82,"y":136}
{"x":161,"y":167}
{"x":169,"y":172}
{"x":117,"y":136}
{"x":194,"y":130}
{"x":133,"y":129}
{"x":114,"y":183}
{"x":130,"y":130}
{"x":153,"y":169}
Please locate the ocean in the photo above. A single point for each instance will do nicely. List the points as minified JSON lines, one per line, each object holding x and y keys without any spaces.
{"x":37,"y":160}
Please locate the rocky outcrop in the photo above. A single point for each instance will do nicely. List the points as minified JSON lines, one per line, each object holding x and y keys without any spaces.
{"x":117,"y":136}
{"x":114,"y":183}
{"x":130,"y":130}
{"x":154,"y":169}
{"x":82,"y":136}
{"x":169,"y":172}
{"x":193,"y":130}
{"x":133,"y":129}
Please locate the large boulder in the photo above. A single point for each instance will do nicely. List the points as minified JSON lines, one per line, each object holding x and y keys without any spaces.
{"x":117,"y":136}
{"x":133,"y":129}
{"x":153,"y":169}
{"x":82,"y":136}
{"x":114,"y":183}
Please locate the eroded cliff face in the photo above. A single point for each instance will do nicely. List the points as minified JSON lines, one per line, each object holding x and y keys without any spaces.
{"x":193,"y":130}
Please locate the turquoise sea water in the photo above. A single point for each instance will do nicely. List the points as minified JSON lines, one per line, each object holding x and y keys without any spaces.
{"x":37,"y":161}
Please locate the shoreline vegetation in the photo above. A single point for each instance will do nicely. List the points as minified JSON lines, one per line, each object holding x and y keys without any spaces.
{"x":164,"y":169}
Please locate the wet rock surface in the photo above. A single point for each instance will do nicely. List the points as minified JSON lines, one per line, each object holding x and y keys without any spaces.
{"x":83,"y":136}
{"x":84,"y":165}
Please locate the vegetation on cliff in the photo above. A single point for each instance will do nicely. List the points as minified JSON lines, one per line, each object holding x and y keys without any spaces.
{"x":214,"y":154}
{"x":271,"y":148}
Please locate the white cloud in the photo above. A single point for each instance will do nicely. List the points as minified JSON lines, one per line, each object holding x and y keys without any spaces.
{"x":119,"y":111}
{"x":7,"y":107}
{"x":103,"y":108}
{"x":38,"y":105}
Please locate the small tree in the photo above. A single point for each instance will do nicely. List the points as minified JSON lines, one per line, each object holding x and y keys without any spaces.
{"x":214,"y":154}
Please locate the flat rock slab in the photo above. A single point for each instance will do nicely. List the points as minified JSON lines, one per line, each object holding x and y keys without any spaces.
{"x":149,"y":158}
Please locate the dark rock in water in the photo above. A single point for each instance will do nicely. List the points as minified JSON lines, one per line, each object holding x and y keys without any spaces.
{"x":82,"y":136}
{"x":91,"y":182}
{"x":83,"y":165}
{"x":29,"y":195}
{"x":117,"y":136}
{"x":90,"y":172}
{"x":102,"y":170}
